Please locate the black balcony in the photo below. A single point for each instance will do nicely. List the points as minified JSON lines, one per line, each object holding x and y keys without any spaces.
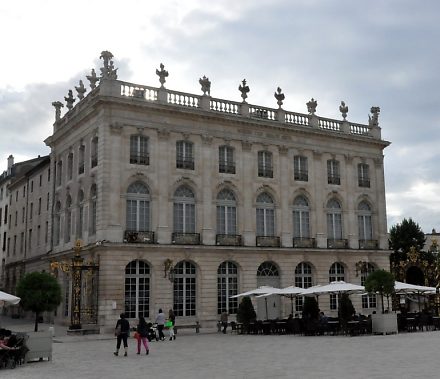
{"x":304,"y":242}
{"x":337,"y":244}
{"x":227,"y":168}
{"x":334,"y":179}
{"x":268,"y":241}
{"x":185,"y":238}
{"x":94,"y":161}
{"x":228,"y":239}
{"x":143,"y":159}
{"x":265,"y":171}
{"x":138,"y":237}
{"x":368,"y":244}
{"x":302,"y":176}
{"x":185,"y":163}
{"x":364,"y":183}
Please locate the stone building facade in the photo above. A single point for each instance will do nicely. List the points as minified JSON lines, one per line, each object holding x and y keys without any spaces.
{"x":185,"y":200}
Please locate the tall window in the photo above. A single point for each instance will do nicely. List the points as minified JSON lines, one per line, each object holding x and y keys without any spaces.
{"x":70,"y":166}
{"x":184,"y":210}
{"x":333,"y":172}
{"x":226,"y":162}
{"x":185,"y":155}
{"x":265,"y":215}
{"x":59,"y":172}
{"x":139,"y":150}
{"x":81,"y":157}
{"x":368,"y":301}
{"x":137,"y":289}
{"x":300,"y":168}
{"x":226,"y":212}
{"x":80,"y":224}
{"x":185,"y":289}
{"x":364,"y":221}
{"x":265,"y":167}
{"x":94,"y":152}
{"x":57,"y":224}
{"x":334,"y":220}
{"x":336,"y":273}
{"x":301,"y":227}
{"x":68,"y":222}
{"x":138,"y":207}
{"x":227,"y":286}
{"x":93,"y":208}
{"x":363,"y":175}
{"x":303,"y":279}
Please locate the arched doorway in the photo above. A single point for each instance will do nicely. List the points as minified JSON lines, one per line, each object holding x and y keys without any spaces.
{"x":414,"y":275}
{"x":268,"y":307}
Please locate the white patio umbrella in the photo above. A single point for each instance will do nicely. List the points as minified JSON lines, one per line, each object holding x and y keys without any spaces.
{"x":402,"y":288}
{"x":257,"y":291}
{"x":334,"y":287}
{"x":291,"y":292}
{"x":7,"y":298}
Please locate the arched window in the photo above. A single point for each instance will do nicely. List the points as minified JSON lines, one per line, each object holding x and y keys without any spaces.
{"x":334,"y":220}
{"x":265,"y":215}
{"x":227,"y":286}
{"x":93,"y":208}
{"x":184,"y":210}
{"x":303,"y":279}
{"x":336,"y":273}
{"x":57,"y":224}
{"x":226,"y":212}
{"x":268,"y":275}
{"x":138,"y":208}
{"x":68,"y":221}
{"x":267,"y":269}
{"x":80,"y":222}
{"x":137,"y":289}
{"x":185,"y":289}
{"x":301,"y":217}
{"x":368,"y":301}
{"x":364,"y":222}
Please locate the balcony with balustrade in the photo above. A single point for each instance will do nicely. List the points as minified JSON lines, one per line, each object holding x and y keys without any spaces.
{"x":268,"y":241}
{"x":304,"y":243}
{"x":337,"y":243}
{"x":185,"y":238}
{"x":228,"y":240}
{"x":131,"y":236}
{"x":368,"y":244}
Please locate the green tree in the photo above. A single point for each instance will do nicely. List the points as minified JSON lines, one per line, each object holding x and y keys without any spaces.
{"x":345,"y":310}
{"x":246,"y":312}
{"x":381,"y":282}
{"x":39,"y":292}
{"x":405,"y":235}
{"x":310,"y":308}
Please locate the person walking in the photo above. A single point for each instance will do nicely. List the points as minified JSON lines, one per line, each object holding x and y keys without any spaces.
{"x":160,"y":321}
{"x":122,"y":330}
{"x":142,"y":330}
{"x":172,"y":320}
{"x":224,"y":321}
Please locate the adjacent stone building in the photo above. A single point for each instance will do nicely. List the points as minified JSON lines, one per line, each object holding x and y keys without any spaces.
{"x":185,"y":200}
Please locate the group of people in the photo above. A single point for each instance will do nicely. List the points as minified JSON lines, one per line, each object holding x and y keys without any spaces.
{"x":122,"y":331}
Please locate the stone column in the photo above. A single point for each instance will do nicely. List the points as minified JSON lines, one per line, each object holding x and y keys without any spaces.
{"x":381,"y":218}
{"x":284,"y":209}
{"x":248,"y":174}
{"x":320,"y":185}
{"x":206,"y":168}
{"x":350,"y":220}
{"x":164,"y":155}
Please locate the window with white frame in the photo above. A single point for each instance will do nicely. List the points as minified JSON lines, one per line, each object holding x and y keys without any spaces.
{"x":184,"y":210}
{"x":94,"y":152}
{"x":368,"y":301}
{"x":363,"y":175}
{"x":334,"y":220}
{"x":333,"y":172}
{"x":137,"y":289}
{"x":268,"y":269}
{"x":68,"y":221}
{"x":139,"y":150}
{"x":265,"y":215}
{"x":185,"y":155}
{"x":138,"y":207}
{"x":300,"y":168}
{"x":185,"y":289}
{"x":364,"y":222}
{"x":226,"y":162}
{"x":227,"y":286}
{"x":80,"y":220}
{"x":265,"y":167}
{"x":336,"y":273}
{"x":226,"y":212}
{"x":93,"y":208}
{"x":303,"y":279}
{"x":301,"y":217}
{"x":59,"y":172}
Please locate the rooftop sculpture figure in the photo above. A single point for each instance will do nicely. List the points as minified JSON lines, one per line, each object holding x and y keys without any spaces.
{"x":279,"y":96}
{"x":162,"y":75}
{"x":206,"y":85}
{"x":343,"y":109}
{"x":311,"y":106}
{"x":244,"y":89}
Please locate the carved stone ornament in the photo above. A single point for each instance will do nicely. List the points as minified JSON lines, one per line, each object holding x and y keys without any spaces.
{"x":58,"y":105}
{"x":163,"y":134}
{"x":343,"y":109}
{"x":311,"y":106}
{"x":93,"y":79}
{"x":279,"y":96}
{"x":244,"y":89}
{"x":374,"y":119}
{"x":162,"y":74}
{"x":108,"y":71}
{"x":69,"y":100}
{"x":246,"y":145}
{"x":206,"y":85}
{"x":283,"y":150}
{"x":207,"y":140}
{"x":81,"y":90}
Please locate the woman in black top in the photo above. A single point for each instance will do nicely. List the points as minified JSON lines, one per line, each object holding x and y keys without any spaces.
{"x":122,"y":330}
{"x":142,"y":330}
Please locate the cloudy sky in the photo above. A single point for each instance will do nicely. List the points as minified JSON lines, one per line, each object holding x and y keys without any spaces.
{"x":376,"y":52}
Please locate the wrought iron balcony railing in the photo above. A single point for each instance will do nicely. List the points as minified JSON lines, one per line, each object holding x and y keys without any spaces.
{"x":265,"y":171}
{"x":185,"y":238}
{"x":185,"y":163}
{"x":364,"y":183}
{"x":227,"y":168}
{"x":143,"y":159}
{"x":228,"y":239}
{"x":94,"y":160}
{"x":268,"y":241}
{"x":368,"y":244}
{"x":301,"y":175}
{"x":334,"y":179}
{"x":132,"y":236}
{"x":337,"y":243}
{"x":304,"y":242}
